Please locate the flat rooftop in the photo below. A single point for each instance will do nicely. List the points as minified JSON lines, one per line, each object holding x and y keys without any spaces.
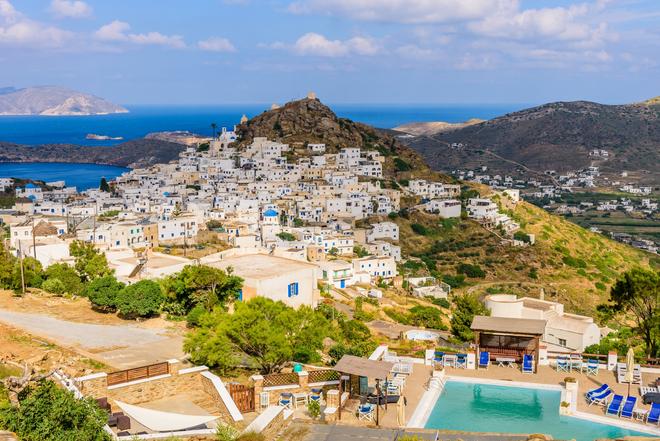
{"x":261,"y":266}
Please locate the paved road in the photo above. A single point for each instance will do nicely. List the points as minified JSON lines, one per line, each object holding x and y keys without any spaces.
{"x":121,"y":346}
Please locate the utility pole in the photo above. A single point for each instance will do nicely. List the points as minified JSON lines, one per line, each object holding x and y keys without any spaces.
{"x":34,"y":240}
{"x":20,"y":255}
{"x":94,"y":231}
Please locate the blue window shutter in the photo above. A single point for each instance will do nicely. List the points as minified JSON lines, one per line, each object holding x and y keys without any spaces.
{"x":296,"y":287}
{"x":289,"y":292}
{"x":240,"y":295}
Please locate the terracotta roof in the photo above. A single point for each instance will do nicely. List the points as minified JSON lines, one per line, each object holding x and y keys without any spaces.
{"x":507,"y":325}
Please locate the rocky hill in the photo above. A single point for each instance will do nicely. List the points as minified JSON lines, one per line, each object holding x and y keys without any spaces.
{"x":556,"y":136}
{"x":434,"y":127}
{"x":133,"y":154}
{"x":310,"y":121}
{"x":53,"y":101}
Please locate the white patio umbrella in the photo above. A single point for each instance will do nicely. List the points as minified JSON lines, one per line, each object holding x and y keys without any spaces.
{"x":401,"y":413}
{"x":630,"y":367}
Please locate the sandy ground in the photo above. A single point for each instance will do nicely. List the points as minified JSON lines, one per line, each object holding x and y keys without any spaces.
{"x":73,"y":324}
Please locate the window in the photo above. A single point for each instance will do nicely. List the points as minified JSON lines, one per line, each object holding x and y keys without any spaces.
{"x":292,"y":289}
{"x":562,"y":342}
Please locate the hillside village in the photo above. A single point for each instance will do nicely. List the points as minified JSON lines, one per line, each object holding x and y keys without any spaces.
{"x":325,"y":230}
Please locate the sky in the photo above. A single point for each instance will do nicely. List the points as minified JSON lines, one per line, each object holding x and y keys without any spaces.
{"x":212,"y":52}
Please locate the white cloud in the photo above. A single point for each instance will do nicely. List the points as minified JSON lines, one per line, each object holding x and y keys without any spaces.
{"x":18,"y":30}
{"x":553,"y":23}
{"x":405,"y":11}
{"x":216,"y":44}
{"x":415,"y":52}
{"x":318,"y":45}
{"x":117,"y":32}
{"x":70,"y":8}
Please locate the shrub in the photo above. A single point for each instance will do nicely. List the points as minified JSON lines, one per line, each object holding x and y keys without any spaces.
{"x":574,"y":262}
{"x":141,"y":299}
{"x":54,"y":286}
{"x":469,"y":270}
{"x":194,"y":316}
{"x":444,"y":303}
{"x":314,"y":409}
{"x":67,"y":275}
{"x":103,"y":292}
{"x":426,"y":316}
{"x":420,"y":229}
{"x":226,"y":433}
{"x":288,"y":237}
{"x":401,"y":165}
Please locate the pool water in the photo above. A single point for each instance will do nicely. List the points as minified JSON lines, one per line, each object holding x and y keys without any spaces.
{"x":489,"y":408}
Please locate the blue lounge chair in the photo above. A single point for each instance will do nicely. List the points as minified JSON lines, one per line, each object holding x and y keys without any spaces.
{"x":628,"y":407}
{"x":461,"y":361}
{"x":615,"y":405}
{"x":599,"y":390}
{"x":484,"y":359}
{"x":653,"y":417}
{"x":601,"y":399}
{"x":527,"y":366}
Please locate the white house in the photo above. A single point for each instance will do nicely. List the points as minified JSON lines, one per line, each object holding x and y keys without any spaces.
{"x":290,"y":281}
{"x":446,"y":208}
{"x":478,"y":208}
{"x":376,"y":266}
{"x":563,"y":331}
{"x":383,"y":230}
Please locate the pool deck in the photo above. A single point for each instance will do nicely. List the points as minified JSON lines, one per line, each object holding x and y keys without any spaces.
{"x":548,"y":376}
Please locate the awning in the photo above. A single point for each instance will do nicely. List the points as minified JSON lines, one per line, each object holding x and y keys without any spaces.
{"x":363,"y":367}
{"x":509,"y":326}
{"x":159,"y":421}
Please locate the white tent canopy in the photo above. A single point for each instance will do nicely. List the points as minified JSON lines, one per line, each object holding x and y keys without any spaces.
{"x":159,"y":421}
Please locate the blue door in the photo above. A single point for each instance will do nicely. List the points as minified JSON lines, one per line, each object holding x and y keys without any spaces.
{"x":342,"y":283}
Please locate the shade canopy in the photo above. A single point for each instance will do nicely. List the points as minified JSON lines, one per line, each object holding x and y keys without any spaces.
{"x":363,"y":367}
{"x":159,"y":421}
{"x":630,"y":367}
{"x":508,"y":325}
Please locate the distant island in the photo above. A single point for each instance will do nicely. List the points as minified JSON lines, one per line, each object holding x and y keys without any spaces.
{"x":96,"y":137}
{"x":53,"y":101}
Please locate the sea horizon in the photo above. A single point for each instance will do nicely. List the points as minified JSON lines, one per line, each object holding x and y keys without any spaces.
{"x":144,"y":119}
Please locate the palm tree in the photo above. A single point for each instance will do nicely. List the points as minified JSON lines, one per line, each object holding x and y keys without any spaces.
{"x":214,"y":126}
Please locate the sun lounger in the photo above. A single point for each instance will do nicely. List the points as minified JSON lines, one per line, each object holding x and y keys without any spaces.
{"x":628,"y":407}
{"x":528,"y":364}
{"x":484,"y":359}
{"x":600,"y":399}
{"x":615,"y":405}
{"x":599,"y":390}
{"x":653,"y":417}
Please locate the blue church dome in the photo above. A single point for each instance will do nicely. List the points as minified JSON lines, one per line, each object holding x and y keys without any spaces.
{"x":270,"y":213}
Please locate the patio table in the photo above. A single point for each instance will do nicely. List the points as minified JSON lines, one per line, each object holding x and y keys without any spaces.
{"x":299,"y":397}
{"x":506,"y":362}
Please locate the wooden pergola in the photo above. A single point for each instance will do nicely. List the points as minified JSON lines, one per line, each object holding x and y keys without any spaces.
{"x":508,"y":337}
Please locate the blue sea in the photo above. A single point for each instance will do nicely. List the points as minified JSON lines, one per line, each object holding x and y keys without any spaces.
{"x":35,"y":130}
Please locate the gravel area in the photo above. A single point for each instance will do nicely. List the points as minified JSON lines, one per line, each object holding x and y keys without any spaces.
{"x":86,"y":336}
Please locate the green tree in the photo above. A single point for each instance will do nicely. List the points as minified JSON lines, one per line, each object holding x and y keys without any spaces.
{"x":268,"y":333}
{"x":54,"y":286}
{"x":103,"y":292}
{"x":104,"y":186}
{"x":7,"y":261}
{"x":49,"y":413}
{"x":200,"y":285}
{"x":67,"y":275}
{"x":32,"y":272}
{"x":637,"y":293}
{"x":466,"y":307}
{"x":89,"y":262}
{"x":426,"y":316}
{"x":142,"y":299}
{"x":288,"y":237}
{"x":359,"y":251}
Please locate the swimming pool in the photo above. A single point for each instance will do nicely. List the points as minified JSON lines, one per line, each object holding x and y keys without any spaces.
{"x":477,"y":407}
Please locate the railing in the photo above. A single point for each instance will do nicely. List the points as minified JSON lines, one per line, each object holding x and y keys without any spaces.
{"x":280,"y":379}
{"x":139,"y":373}
{"x":322,"y":375}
